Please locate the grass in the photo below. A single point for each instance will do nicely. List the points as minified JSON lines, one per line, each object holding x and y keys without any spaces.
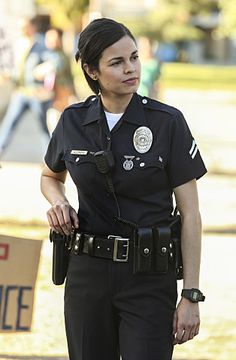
{"x":199,"y":76}
{"x":33,"y":230}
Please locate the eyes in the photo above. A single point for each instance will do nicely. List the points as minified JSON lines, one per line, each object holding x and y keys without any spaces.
{"x":133,"y":58}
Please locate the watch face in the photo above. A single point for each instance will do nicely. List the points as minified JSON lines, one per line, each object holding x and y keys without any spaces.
{"x":195,"y":295}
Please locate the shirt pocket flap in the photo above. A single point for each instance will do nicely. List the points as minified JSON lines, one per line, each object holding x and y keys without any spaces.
{"x":78,"y":159}
{"x":149,"y":161}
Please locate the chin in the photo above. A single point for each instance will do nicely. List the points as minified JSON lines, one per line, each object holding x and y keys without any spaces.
{"x":131,"y":90}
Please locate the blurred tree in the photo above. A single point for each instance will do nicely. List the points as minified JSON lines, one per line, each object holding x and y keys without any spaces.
{"x":171,"y":20}
{"x":228,"y":24}
{"x":65,"y":13}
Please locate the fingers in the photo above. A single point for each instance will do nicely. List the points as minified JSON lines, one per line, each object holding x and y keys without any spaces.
{"x":53,"y":222}
{"x":193,"y":332}
{"x":62,"y":218}
{"x":185,"y":334}
{"x":179,"y":335}
{"x":175,"y":321}
{"x":186,"y":321}
{"x":74,"y":218}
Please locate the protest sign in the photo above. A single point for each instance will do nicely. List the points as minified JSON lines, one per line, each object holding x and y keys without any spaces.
{"x":19,"y":260}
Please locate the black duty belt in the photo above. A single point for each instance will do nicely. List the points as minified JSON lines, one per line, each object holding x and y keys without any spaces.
{"x":112,"y":247}
{"x":153,"y":249}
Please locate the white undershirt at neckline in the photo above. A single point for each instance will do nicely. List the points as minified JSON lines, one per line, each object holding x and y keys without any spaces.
{"x":112,"y":119}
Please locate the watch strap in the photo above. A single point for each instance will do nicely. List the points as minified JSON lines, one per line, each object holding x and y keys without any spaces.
{"x":194,"y":295}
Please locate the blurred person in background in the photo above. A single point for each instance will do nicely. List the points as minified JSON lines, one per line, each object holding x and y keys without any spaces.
{"x":150,"y":69}
{"x":57,"y":75}
{"x":30,"y":93}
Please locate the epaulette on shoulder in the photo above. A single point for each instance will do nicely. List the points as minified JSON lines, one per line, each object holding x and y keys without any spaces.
{"x":83,"y":104}
{"x":159,"y":106}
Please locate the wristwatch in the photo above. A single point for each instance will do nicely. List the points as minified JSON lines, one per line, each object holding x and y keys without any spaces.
{"x":194,"y":295}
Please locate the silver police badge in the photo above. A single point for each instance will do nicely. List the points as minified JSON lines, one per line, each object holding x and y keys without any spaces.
{"x":143,"y":139}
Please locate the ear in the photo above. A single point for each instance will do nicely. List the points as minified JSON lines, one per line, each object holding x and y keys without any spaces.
{"x":90,"y":72}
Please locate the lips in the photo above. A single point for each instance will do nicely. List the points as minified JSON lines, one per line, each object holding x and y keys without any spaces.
{"x":131,"y":81}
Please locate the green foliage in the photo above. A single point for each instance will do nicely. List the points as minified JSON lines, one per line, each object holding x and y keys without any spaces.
{"x":228,"y":25}
{"x":65,"y":13}
{"x":171,"y":20}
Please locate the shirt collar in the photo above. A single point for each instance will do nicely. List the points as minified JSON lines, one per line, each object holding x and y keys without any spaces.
{"x":94,"y":112}
{"x":134,"y":113}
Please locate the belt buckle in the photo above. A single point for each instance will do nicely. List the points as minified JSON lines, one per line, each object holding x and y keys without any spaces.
{"x":117,"y":240}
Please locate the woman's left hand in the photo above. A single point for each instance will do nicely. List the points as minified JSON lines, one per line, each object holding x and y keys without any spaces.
{"x":186,"y":321}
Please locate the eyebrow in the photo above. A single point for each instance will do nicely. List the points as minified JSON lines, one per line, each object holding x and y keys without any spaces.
{"x":120,"y":57}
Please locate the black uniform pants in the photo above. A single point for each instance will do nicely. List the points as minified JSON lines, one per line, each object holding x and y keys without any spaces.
{"x":109,"y":312}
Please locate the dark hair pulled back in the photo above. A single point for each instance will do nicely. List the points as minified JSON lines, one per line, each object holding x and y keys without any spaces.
{"x":93,"y":40}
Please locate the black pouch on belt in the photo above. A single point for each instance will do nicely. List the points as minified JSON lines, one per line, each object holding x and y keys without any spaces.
{"x":143,"y":249}
{"x":162,"y":238}
{"x":176,"y":238}
{"x":60,"y":256}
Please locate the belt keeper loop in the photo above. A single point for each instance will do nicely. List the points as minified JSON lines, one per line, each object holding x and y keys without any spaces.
{"x":77,"y":243}
{"x":90,"y":244}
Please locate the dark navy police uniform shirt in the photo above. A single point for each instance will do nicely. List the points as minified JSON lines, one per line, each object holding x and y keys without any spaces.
{"x":143,"y":181}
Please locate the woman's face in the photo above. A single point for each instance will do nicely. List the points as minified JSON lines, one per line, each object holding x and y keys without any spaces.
{"x":119,"y":68}
{"x":52,"y":40}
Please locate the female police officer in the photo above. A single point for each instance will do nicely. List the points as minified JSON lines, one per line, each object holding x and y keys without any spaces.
{"x":127,"y":155}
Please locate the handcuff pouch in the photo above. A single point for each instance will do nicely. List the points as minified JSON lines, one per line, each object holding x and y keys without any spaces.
{"x":161,"y":240}
{"x":143,"y":249}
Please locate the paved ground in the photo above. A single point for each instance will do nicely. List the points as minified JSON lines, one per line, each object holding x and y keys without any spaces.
{"x":211,"y":116}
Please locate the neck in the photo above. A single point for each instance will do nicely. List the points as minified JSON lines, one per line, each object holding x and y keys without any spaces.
{"x":116,"y":105}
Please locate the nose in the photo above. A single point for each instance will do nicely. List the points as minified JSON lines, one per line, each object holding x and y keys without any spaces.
{"x":129,"y":68}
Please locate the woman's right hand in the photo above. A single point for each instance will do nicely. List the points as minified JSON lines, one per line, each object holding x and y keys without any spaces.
{"x":62,"y":217}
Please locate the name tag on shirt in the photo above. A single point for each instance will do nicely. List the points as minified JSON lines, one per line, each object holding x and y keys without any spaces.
{"x":79,"y":152}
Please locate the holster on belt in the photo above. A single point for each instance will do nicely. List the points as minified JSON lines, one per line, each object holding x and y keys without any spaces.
{"x":60,"y":256}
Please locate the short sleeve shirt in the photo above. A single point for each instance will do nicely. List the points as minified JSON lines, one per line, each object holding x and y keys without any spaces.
{"x":154,"y":152}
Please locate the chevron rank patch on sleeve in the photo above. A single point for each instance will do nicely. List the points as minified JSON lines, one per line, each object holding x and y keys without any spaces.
{"x":193,"y":150}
